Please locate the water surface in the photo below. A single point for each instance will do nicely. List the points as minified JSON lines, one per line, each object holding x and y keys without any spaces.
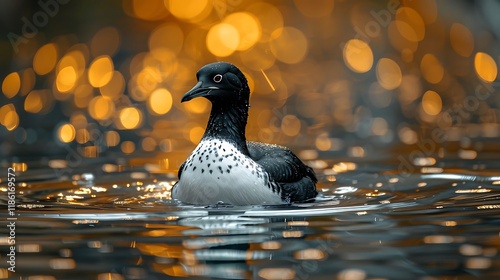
{"x":375,"y":219}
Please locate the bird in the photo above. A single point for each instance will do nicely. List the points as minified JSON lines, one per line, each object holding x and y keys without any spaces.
{"x":224,"y":167}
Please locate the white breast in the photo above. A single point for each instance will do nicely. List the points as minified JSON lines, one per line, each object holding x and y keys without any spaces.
{"x":217,"y":172}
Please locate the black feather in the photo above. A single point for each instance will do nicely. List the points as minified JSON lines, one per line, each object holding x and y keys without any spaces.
{"x":296,"y":180}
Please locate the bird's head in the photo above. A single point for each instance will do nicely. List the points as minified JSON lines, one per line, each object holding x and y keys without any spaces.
{"x":220,"y":82}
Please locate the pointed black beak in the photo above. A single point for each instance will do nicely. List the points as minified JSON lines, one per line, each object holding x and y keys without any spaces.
{"x":197,"y":91}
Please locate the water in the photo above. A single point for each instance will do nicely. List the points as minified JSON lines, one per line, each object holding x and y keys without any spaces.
{"x":373,"y":221}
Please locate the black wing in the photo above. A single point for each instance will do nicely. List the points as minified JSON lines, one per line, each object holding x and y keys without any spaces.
{"x":297,"y":180}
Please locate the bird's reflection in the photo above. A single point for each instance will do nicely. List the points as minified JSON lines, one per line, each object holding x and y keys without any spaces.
{"x":226,"y":246}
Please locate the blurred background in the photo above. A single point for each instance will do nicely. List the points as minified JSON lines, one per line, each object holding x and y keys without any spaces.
{"x":104,"y":79}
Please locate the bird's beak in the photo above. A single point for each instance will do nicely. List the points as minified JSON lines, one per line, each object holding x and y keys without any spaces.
{"x":197,"y":91}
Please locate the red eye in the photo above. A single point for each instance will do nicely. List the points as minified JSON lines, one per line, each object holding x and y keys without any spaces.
{"x":218,"y":78}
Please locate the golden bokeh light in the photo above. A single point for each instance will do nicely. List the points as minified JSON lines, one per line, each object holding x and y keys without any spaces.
{"x":409,"y":24}
{"x":379,"y":127}
{"x":127,"y":147}
{"x":427,"y":9}
{"x":195,"y":38}
{"x":410,"y":89}
{"x":269,"y":16}
{"x":20,"y":167}
{"x":4,"y":109}
{"x":160,"y":101}
{"x":8,"y":117}
{"x":407,"y":55}
{"x":75,"y":59}
{"x":258,"y":57}
{"x":78,"y":120}
{"x":432,"y":103}
{"x":91,"y":151}
{"x":281,"y":41}
{"x":11,"y":85}
{"x":323,"y":142}
{"x":36,"y":100}
{"x":431,"y":68}
{"x":66,"y":133}
{"x":223,"y":39}
{"x":397,"y":40}
{"x":83,"y":95}
{"x":358,"y":56}
{"x":115,"y":88}
{"x":144,"y":83}
{"x":112,"y":138}
{"x":269,"y":273}
{"x":148,"y":144}
{"x":196,"y":133}
{"x":130,"y":117}
{"x":167,"y":36}
{"x":408,"y":136}
{"x":248,"y":28}
{"x":100,"y":71}
{"x":190,"y":10}
{"x":389,"y":74}
{"x":461,"y":39}
{"x":66,"y":79}
{"x":148,"y":10}
{"x":101,"y":108}
{"x":11,"y":120}
{"x":45,"y":59}
{"x":82,"y":136}
{"x":486,"y":67}
{"x":314,"y":9}
{"x":290,"y":125}
{"x":309,"y":254}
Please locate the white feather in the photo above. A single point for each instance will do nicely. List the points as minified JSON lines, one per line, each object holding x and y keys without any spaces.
{"x":231,"y":180}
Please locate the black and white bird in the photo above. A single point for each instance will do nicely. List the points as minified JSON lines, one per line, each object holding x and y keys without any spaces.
{"x":224,"y":167}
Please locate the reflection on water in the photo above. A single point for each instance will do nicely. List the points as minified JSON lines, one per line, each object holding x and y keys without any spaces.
{"x":371,"y":221}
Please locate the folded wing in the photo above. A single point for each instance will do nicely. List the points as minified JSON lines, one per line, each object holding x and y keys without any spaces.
{"x":296,"y":180}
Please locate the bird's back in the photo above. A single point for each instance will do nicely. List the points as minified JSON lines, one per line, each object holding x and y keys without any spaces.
{"x":296,"y":180}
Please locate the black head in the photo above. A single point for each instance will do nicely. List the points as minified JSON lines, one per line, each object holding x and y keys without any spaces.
{"x":220,"y":82}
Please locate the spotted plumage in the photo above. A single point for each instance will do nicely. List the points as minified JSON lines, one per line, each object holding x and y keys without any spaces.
{"x":239,"y":172}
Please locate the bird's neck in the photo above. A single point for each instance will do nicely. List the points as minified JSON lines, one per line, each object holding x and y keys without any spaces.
{"x":228,"y":121}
